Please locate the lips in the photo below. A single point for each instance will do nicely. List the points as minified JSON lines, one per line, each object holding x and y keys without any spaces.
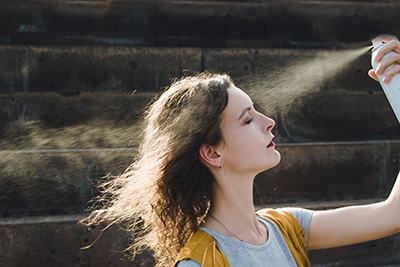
{"x":272,"y":143}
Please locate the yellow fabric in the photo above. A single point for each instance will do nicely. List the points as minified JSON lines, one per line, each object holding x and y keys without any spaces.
{"x":202,"y":248}
{"x":292,"y":232}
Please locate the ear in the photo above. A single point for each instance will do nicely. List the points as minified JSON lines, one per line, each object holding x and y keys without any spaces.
{"x":209,"y":155}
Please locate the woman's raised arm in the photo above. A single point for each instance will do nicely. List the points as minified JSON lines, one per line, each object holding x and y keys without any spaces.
{"x":356,"y":224}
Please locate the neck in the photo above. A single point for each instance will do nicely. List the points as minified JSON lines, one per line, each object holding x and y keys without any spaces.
{"x":233,"y":198}
{"x":232,"y":204}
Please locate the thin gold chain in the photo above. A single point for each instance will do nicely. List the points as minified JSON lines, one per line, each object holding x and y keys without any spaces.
{"x":226,"y":228}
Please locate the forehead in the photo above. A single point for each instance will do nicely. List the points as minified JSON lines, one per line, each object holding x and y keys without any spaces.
{"x":237,"y":101}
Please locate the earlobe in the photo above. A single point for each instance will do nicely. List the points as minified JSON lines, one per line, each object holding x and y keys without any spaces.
{"x":210,"y":156}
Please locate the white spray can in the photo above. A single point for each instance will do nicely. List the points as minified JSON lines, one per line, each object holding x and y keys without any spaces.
{"x":392,"y":88}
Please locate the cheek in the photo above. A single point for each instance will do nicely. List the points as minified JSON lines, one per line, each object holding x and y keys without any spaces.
{"x":239,"y":143}
{"x":243,"y":145}
{"x":244,"y":139}
{"x":243,"y":151}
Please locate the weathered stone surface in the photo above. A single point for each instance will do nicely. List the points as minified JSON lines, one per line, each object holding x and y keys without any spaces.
{"x":329,"y":172}
{"x":321,"y":70}
{"x":348,"y":107}
{"x":338,"y":116}
{"x":310,"y":94}
{"x":55,"y":182}
{"x":123,"y":69}
{"x":194,"y":23}
{"x":32,"y":121}
{"x":78,"y":69}
{"x":109,"y":120}
{"x":83,"y":69}
{"x":61,"y":182}
{"x":14,"y":69}
{"x":394,"y":162}
{"x":57,"y":241}
{"x":77,"y":131}
{"x":382,"y":252}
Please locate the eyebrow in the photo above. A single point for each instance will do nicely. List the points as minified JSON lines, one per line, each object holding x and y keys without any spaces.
{"x":244,"y":111}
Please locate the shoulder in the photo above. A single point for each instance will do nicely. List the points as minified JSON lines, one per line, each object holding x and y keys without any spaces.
{"x":302,"y":216}
{"x":299,"y":213}
{"x":195,"y":246}
{"x":201,"y":248}
{"x":288,"y":221}
{"x":289,"y":217}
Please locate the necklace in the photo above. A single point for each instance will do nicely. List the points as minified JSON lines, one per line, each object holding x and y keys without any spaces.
{"x":226,"y":228}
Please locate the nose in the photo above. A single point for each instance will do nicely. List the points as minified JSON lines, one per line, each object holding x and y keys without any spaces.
{"x":269,"y":124}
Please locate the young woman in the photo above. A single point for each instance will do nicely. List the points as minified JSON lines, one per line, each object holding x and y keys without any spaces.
{"x":188,"y":195}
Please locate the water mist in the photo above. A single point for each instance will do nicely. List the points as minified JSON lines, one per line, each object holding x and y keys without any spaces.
{"x":292,"y":86}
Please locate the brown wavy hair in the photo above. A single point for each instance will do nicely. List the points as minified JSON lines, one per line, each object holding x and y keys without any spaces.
{"x":165,"y":193}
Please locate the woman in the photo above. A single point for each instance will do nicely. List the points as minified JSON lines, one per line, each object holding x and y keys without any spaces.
{"x":188,"y":195}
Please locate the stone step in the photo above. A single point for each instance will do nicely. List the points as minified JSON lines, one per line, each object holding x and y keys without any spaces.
{"x":60,"y":182}
{"x":322,"y":205}
{"x":58,"y":240}
{"x":47,"y":121}
{"x":382,"y":252}
{"x":56,"y":182}
{"x":329,"y":171}
{"x":83,"y":87}
{"x":72,"y":70}
{"x":196,"y":23}
{"x":37,"y":121}
{"x":126,"y":69}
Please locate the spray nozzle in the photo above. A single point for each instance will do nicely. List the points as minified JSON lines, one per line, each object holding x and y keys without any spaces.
{"x":376,"y":45}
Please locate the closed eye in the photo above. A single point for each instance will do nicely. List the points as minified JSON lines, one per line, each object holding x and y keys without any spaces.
{"x":249,"y":121}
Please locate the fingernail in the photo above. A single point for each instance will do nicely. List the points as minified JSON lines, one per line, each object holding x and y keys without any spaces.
{"x":383,"y":79}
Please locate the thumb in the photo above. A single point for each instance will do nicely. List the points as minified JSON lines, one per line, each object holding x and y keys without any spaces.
{"x":372,"y":74}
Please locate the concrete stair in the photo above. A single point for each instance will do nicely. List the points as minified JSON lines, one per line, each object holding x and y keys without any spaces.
{"x":68,"y":116}
{"x":251,"y":23}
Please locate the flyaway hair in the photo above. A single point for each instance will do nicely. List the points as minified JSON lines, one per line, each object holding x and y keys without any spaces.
{"x":165,"y":193}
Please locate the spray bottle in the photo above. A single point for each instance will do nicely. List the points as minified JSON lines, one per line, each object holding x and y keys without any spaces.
{"x":392,"y":88}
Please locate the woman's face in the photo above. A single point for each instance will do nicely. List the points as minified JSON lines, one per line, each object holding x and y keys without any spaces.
{"x":247,"y":146}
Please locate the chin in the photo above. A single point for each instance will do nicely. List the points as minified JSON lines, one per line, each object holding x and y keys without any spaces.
{"x":274,"y":161}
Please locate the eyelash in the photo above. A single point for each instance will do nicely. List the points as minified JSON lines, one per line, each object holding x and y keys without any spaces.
{"x":249,"y":121}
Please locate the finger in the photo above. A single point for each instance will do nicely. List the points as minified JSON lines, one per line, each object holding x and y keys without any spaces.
{"x":390,"y":73}
{"x":383,"y":50}
{"x":390,"y":60}
{"x":385,"y":38}
{"x":393,"y":45}
{"x":372,"y":74}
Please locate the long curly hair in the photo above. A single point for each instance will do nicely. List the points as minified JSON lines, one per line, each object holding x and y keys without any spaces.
{"x":165,"y":193}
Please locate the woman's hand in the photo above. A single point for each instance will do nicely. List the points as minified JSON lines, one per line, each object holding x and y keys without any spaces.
{"x":392,"y":44}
